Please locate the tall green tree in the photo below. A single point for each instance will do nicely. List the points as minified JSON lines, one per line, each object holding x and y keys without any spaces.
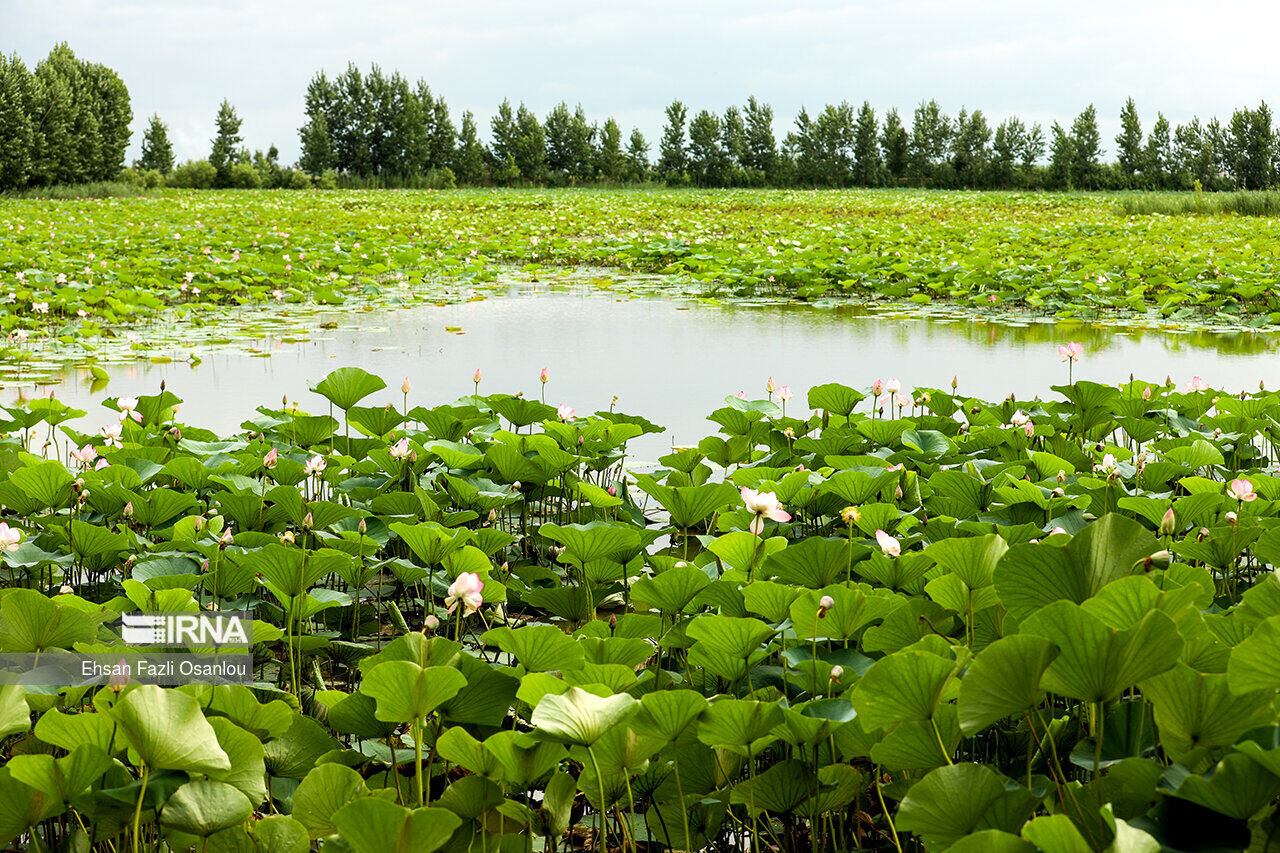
{"x":1006,"y":150}
{"x":637,"y":156}
{"x":1157,"y":156}
{"x":157,"y":151}
{"x":1086,"y":149}
{"x":672,"y":156}
{"x":1061,"y":157}
{"x":531,"y":146}
{"x":733,"y":139}
{"x":610,"y":162}
{"x":707,"y":159}
{"x":895,"y":145}
{"x":1129,"y":142}
{"x":503,"y":135}
{"x":761,"y":152}
{"x":1250,"y":147}
{"x":17,"y":130}
{"x":226,"y":143}
{"x":316,"y":136}
{"x":868,"y":165}
{"x":469,"y":153}
{"x":930,"y":132}
{"x":970,"y":149}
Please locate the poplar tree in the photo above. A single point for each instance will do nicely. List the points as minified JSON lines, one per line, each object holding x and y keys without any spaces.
{"x":157,"y":152}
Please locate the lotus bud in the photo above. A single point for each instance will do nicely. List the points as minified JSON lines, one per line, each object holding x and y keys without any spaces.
{"x":226,"y":539}
{"x":837,"y":672}
{"x":1160,"y":559}
{"x":430,"y":623}
{"x":1146,"y":393}
{"x":1168,"y":524}
{"x":161,"y":386}
{"x":493,"y":516}
{"x":308,"y":521}
{"x":897,"y":493}
{"x":198,"y":523}
{"x":1062,"y":476}
{"x":476,"y":377}
{"x":1231,"y":518}
{"x":613,"y":622}
{"x":406,"y":386}
{"x":1262,"y":386}
{"x":362,"y":527}
{"x":127,"y":512}
{"x":581,"y":440}
{"x":1055,"y":531}
{"x":613,"y":491}
{"x":204,"y":566}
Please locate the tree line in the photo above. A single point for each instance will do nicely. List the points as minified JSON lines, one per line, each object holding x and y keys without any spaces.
{"x":380,"y":129}
{"x":67,"y":121}
{"x":64,"y":122}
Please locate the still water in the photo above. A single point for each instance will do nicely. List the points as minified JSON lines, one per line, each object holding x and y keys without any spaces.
{"x":670,"y":361}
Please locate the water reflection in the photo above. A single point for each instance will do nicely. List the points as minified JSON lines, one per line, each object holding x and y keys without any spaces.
{"x":670,"y":361}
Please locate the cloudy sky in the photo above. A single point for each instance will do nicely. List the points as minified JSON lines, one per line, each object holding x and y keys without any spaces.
{"x":1041,"y":61}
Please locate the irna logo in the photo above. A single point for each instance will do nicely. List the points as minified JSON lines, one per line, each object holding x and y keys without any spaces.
{"x":187,"y":629}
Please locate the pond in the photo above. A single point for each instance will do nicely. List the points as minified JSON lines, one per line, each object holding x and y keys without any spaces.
{"x":670,"y":360}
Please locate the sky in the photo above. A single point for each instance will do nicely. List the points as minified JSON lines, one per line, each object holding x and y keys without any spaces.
{"x":1041,"y":61}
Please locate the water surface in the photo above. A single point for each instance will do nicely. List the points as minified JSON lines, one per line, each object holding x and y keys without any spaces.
{"x":668,"y":360}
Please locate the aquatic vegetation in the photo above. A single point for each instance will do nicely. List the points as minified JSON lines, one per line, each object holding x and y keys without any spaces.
{"x":78,"y":272}
{"x":892,"y":616}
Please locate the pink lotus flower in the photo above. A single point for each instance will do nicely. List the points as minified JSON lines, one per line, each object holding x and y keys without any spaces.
{"x":763,"y":505}
{"x":269,"y":461}
{"x":1197,"y":384}
{"x":1020,"y":418}
{"x":892,"y":386}
{"x":1071,"y":352}
{"x":785,"y":393}
{"x":85,"y":455}
{"x":315,"y":464}
{"x":128,"y":407}
{"x":741,"y":395}
{"x":1242,"y":490}
{"x":9,"y":537}
{"x":566,"y":412}
{"x":400,"y":450}
{"x":465,"y":590}
{"x":888,"y":544}
{"x":102,"y":463}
